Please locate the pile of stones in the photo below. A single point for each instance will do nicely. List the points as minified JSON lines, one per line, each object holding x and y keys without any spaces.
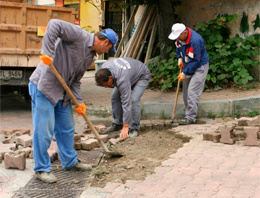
{"x":246,"y":130}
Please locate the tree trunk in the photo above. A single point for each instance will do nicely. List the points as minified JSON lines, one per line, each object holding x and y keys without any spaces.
{"x":166,"y":18}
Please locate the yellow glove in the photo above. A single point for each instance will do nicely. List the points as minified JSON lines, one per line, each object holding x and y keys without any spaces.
{"x":181,"y":76}
{"x":46,"y":59}
{"x":82,"y":109}
{"x":180,"y":63}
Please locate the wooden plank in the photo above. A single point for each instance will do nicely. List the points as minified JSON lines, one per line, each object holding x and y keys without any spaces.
{"x":145,"y":37}
{"x":133,"y":38}
{"x":126,"y":31}
{"x":142,"y":33}
{"x":151,"y":42}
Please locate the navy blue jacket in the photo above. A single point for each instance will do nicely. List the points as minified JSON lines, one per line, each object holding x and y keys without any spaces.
{"x":193,"y":52}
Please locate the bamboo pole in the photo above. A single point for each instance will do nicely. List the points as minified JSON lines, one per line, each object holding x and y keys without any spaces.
{"x":119,"y":48}
{"x":128,"y":52}
{"x":145,"y":37}
{"x":151,"y":42}
{"x":142,"y":31}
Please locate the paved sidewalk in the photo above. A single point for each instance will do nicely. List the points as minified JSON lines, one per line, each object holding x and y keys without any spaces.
{"x":200,"y":169}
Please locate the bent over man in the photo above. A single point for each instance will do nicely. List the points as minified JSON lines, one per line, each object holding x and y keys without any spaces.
{"x":129,"y":77}
{"x":193,"y":58}
{"x":71,"y":49}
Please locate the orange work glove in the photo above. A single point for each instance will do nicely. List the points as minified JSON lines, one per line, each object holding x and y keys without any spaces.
{"x":46,"y":59}
{"x":181,"y":76}
{"x":180,"y":63}
{"x":82,"y":109}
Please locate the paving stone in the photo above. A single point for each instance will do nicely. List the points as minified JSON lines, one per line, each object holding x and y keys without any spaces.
{"x":104,"y":137}
{"x":7,"y":148}
{"x":89,"y":144}
{"x":87,"y":131}
{"x":101,"y":128}
{"x":212,"y":136}
{"x":226,"y":134}
{"x":198,"y":121}
{"x":24,"y":140}
{"x":77,"y":145}
{"x":77,"y":137}
{"x":15,"y":161}
{"x":249,"y":121}
{"x":251,"y":136}
{"x":158,"y":126}
{"x":26,"y":151}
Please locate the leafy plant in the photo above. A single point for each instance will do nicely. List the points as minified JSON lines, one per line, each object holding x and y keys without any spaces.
{"x":164,"y":72}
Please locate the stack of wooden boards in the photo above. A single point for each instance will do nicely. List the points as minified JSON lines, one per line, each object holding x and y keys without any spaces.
{"x":147,"y":25}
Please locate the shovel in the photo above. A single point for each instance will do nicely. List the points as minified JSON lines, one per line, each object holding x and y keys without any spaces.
{"x":176,"y":99}
{"x":113,"y":153}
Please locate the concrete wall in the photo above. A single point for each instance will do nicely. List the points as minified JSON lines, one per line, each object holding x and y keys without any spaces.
{"x":192,"y":12}
{"x":90,"y":16}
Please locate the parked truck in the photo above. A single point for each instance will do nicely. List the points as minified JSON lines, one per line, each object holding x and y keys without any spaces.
{"x":20,"y":43}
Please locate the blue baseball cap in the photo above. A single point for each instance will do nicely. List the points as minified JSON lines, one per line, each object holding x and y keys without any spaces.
{"x":112,"y":36}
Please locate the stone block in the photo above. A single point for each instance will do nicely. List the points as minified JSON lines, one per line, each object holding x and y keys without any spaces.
{"x":246,"y":121}
{"x":212,"y":136}
{"x":251,"y":136}
{"x":24,"y":140}
{"x":104,"y":137}
{"x":101,"y":128}
{"x":168,"y":125}
{"x":7,"y":148}
{"x":87,"y":131}
{"x":198,"y":121}
{"x":15,"y":161}
{"x":225,"y":132}
{"x":77,"y":145}
{"x":26,"y":151}
{"x":77,"y":138}
{"x":53,"y":155}
{"x":89,"y":144}
{"x":158,"y":126}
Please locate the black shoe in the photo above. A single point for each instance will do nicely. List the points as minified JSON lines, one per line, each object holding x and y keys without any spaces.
{"x":113,"y":127}
{"x":132,"y":133}
{"x":185,"y":121}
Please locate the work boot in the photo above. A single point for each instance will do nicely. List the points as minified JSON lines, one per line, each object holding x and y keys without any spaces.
{"x":132,"y":133}
{"x":185,"y":121}
{"x":46,"y":177}
{"x":113,"y":127}
{"x":80,"y":167}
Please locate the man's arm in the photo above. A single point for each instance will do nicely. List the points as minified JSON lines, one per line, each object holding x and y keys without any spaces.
{"x":58,"y":29}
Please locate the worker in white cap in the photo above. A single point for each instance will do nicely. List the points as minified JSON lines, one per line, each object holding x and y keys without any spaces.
{"x":193,"y":59}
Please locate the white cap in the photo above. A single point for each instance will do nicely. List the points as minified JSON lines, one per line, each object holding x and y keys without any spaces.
{"x":177,"y":29}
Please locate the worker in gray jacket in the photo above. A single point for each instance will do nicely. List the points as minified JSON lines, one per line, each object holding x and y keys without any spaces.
{"x":129,"y":77}
{"x":71,"y":50}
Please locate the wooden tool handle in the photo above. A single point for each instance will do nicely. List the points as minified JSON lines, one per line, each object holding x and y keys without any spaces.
{"x":73,"y":98}
{"x":176,"y":96}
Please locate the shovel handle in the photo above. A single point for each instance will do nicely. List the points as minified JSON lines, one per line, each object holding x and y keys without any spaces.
{"x":73,"y":98}
{"x":176,"y":96}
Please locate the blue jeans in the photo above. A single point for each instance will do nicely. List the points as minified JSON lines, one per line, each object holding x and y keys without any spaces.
{"x":48,"y":120}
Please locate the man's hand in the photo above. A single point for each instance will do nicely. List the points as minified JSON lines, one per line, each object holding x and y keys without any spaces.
{"x":82,"y":109}
{"x":181,"y":76}
{"x":46,"y":59}
{"x":180,"y":63}
{"x":124,"y":131}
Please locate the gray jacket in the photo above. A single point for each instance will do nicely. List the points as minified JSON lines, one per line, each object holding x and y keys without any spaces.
{"x":126,"y":72}
{"x":71,"y":49}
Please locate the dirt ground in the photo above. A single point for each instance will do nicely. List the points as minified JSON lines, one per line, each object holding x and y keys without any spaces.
{"x":140,"y":157}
